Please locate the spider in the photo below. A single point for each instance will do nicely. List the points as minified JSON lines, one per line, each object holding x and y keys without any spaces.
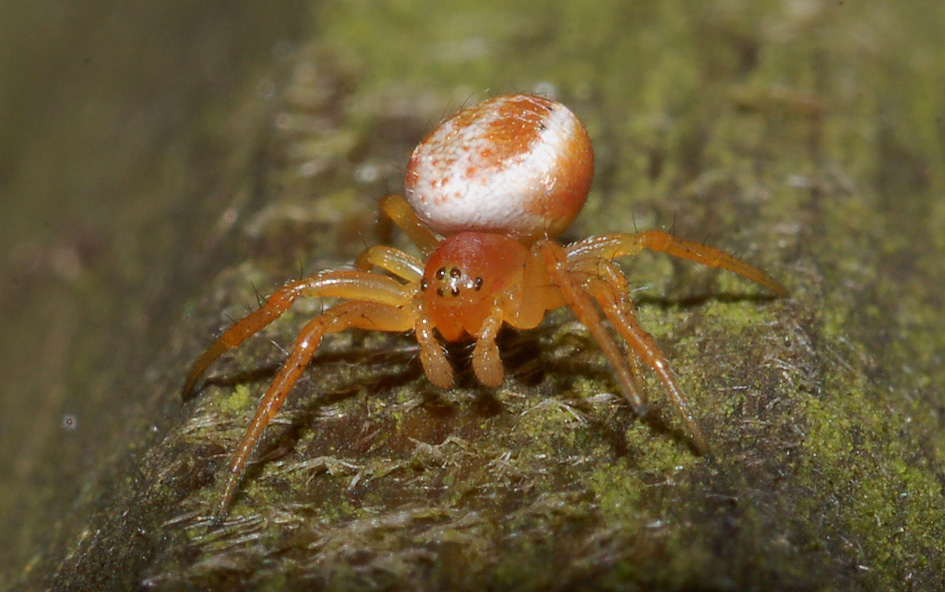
{"x":487,"y":193}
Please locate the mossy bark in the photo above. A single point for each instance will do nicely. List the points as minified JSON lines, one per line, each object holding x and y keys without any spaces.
{"x":807,"y":137}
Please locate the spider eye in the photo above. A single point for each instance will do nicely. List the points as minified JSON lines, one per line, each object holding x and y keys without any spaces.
{"x":456,"y":273}
{"x":454,"y":291}
{"x":424,"y":285}
{"x":441,"y":273}
{"x":477,"y":285}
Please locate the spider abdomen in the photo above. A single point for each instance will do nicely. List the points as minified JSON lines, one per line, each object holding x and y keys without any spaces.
{"x":517,"y":165}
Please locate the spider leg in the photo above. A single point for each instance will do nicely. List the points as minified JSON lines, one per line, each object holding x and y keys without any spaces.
{"x":487,"y":364}
{"x":364,"y":315}
{"x":432,"y":357}
{"x":610,"y":272}
{"x":355,"y":285}
{"x":393,"y":260}
{"x":611,"y":246}
{"x":577,"y":297}
{"x":612,"y":292}
{"x":400,"y":212}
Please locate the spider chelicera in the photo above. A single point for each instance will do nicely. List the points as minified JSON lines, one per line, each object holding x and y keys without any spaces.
{"x":487,"y":193}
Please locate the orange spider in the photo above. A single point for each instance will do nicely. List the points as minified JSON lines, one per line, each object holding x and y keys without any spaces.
{"x":487,"y":192}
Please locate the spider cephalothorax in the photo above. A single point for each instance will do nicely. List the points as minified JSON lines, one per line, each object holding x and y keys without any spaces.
{"x":465,"y":275}
{"x":487,"y":193}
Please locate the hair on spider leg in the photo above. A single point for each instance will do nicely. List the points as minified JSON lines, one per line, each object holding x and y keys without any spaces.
{"x":740,"y":249}
{"x":259,"y":298}
{"x":278,"y":345}
{"x":364,"y":242}
{"x":642,"y":289}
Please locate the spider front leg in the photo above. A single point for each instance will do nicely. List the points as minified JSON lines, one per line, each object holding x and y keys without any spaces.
{"x":611,"y":246}
{"x":392,"y":260}
{"x":363,"y":315}
{"x":357,"y":285}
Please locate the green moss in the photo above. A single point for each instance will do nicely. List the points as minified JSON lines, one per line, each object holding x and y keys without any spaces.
{"x":749,"y":127}
{"x":882,"y":496}
{"x":236,"y":403}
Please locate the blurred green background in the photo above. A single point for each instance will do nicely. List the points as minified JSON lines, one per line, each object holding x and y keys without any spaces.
{"x":158,"y":163}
